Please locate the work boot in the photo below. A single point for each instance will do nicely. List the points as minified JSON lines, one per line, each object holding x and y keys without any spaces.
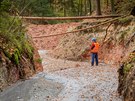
{"x":92,"y":64}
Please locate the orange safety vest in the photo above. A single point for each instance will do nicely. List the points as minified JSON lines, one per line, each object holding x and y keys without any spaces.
{"x":96,"y":48}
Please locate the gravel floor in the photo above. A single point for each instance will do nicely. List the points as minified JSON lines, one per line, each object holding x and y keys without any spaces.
{"x":81,"y":81}
{"x":66,"y":81}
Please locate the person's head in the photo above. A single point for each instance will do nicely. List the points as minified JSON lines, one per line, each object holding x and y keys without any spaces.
{"x":93,"y":39}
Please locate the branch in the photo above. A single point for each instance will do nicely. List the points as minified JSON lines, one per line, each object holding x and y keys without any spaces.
{"x":106,"y":34}
{"x":130,"y":39}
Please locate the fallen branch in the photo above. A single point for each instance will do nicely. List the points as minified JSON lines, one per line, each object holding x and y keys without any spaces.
{"x":82,"y":28}
{"x":106,"y":34}
{"x":130,"y":39}
{"x":70,"y":18}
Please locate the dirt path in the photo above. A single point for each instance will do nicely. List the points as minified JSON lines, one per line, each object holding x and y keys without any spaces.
{"x":67,"y":81}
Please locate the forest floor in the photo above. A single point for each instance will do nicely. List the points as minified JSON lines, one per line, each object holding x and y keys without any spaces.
{"x":64,"y":80}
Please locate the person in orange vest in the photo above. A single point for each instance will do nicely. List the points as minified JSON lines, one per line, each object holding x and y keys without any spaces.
{"x":94,"y":51}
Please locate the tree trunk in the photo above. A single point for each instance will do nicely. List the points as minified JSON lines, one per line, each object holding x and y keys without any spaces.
{"x":55,"y":5}
{"x":64,"y":8}
{"x":112,"y":6}
{"x":98,"y":7}
{"x":107,"y":3}
{"x":50,"y":2}
{"x":85,"y":2}
{"x":78,"y":9}
{"x":81,"y":7}
{"x":90,"y":10}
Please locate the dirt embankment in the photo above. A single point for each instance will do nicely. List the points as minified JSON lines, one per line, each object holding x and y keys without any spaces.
{"x":127,"y":78}
{"x":49,"y":43}
{"x":11,"y":72}
{"x":117,"y":44}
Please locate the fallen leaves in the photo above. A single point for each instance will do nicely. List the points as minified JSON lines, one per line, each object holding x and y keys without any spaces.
{"x":49,"y":42}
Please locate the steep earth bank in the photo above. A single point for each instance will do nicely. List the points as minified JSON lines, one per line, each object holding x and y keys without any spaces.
{"x":49,"y":43}
{"x":118,"y":43}
{"x":10,"y":72}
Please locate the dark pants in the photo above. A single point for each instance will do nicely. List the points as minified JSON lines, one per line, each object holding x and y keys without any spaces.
{"x":94,"y":56}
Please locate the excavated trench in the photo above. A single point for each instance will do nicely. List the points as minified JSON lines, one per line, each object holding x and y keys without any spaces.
{"x":66,"y":81}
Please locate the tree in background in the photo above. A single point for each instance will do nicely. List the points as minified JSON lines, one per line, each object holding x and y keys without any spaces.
{"x":112,"y":6}
{"x":90,"y":7}
{"x":72,"y":7}
{"x":98,"y":9}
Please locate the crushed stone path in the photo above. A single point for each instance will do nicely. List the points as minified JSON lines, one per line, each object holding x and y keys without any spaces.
{"x":66,"y":81}
{"x":81,"y":81}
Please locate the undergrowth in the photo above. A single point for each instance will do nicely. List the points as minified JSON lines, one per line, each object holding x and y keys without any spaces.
{"x":13,"y":38}
{"x":129,"y":63}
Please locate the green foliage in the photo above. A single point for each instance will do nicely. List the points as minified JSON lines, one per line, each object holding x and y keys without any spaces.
{"x":125,"y":20}
{"x":53,"y":7}
{"x":129,"y":63}
{"x":5,"y":5}
{"x":28,"y":49}
{"x":16,"y":56}
{"x":13,"y":38}
{"x":39,"y":60}
{"x":34,"y":7}
{"x":127,"y":68}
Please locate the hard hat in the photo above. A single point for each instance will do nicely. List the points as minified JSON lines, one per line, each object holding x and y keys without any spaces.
{"x":93,"y":39}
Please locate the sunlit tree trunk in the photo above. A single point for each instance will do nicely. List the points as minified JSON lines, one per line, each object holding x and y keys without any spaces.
{"x":90,"y":8}
{"x":64,"y":8}
{"x":85,"y":2}
{"x":98,"y":7}
{"x":81,"y":8}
